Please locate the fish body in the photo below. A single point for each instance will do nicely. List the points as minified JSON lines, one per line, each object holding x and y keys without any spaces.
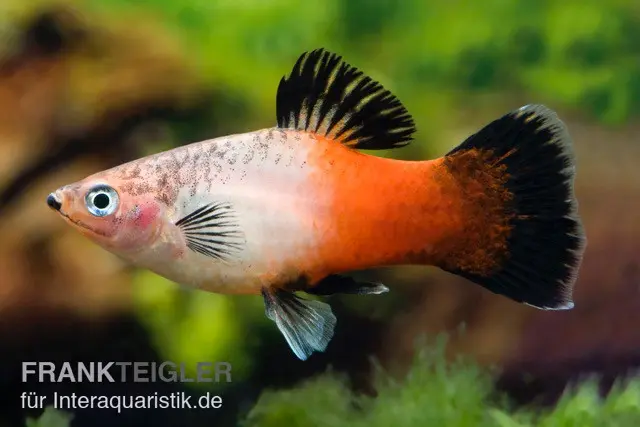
{"x":314,"y":220}
{"x":297,"y":206}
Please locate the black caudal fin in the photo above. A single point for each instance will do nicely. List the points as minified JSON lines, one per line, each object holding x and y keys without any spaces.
{"x":338,"y":284}
{"x":329,"y":97}
{"x":307,"y":325}
{"x":528,"y":154}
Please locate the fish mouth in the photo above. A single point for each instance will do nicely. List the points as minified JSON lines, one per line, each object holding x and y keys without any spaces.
{"x":81,"y":224}
{"x":54,"y":202}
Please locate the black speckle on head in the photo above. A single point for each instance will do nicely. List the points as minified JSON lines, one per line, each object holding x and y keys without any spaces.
{"x":131,"y":172}
{"x":165,"y":198}
{"x":163,"y":180}
{"x":248,"y":156}
{"x":185,"y":159}
{"x":128,"y":187}
{"x":207,"y":174}
{"x":200,"y":166}
{"x":263,"y":150}
{"x":269,"y":136}
{"x":218,"y":154}
{"x":233,"y":157}
{"x":209,"y":155}
{"x":142,"y":188}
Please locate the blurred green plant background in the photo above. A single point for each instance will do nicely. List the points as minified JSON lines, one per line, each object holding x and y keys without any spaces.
{"x":86,"y":85}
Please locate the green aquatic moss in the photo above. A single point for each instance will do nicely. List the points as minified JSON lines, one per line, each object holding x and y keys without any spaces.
{"x":438,"y":393}
{"x":434,"y":392}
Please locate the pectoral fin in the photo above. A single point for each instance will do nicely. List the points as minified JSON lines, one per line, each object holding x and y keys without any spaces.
{"x":307,"y":325}
{"x":212,"y":230}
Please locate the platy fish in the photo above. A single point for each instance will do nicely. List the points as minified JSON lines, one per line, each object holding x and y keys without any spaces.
{"x":296,"y":207}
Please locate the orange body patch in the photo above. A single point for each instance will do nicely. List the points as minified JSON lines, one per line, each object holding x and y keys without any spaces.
{"x":448,"y":212}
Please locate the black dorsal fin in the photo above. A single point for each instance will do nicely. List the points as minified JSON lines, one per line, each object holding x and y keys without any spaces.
{"x":327,"y":96}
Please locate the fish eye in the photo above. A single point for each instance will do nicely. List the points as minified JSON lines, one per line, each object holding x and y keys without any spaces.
{"x":101,"y":200}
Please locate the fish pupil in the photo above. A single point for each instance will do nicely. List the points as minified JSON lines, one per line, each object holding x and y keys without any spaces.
{"x":101,"y":201}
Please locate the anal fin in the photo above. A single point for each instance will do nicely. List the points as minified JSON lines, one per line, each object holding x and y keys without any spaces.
{"x":307,"y":325}
{"x":337,"y":284}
